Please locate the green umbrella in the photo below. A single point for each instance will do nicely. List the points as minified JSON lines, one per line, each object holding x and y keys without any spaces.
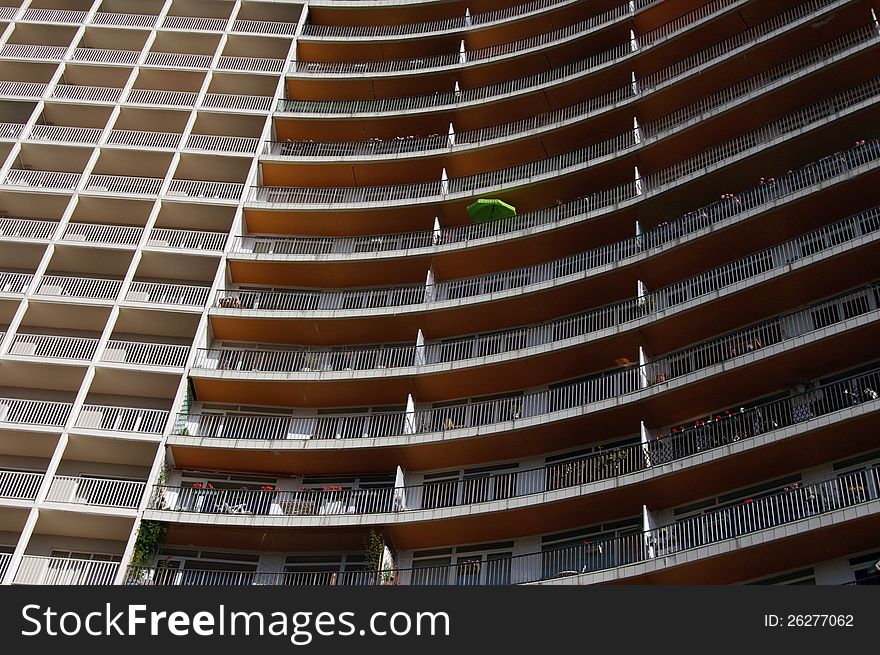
{"x":490,"y":209}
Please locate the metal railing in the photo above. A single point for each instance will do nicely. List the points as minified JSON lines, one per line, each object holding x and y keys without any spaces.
{"x":122,"y":419}
{"x":85,"y":93}
{"x":42,"y":179}
{"x":235,"y":101}
{"x":53,"y":347}
{"x":15,"y":282}
{"x":598,"y":387}
{"x":65,"y":134}
{"x":145,"y":353}
{"x":445,"y":25}
{"x":64,"y":571}
{"x":21,"y":51}
{"x":28,"y":90}
{"x":162,"y":98}
{"x":177,"y":60}
{"x":123,"y":20}
{"x":106,"y":56}
{"x":11,"y":130}
{"x":789,"y":505}
{"x":766,"y":30}
{"x":187,"y":239}
{"x":48,"y":413}
{"x":163,"y":293}
{"x":26,"y":228}
{"x":143,"y":139}
{"x":251,"y":64}
{"x":125,"y":235}
{"x":206,"y":189}
{"x":194,"y":23}
{"x":79,"y":287}
{"x":219,"y":143}
{"x":19,"y":485}
{"x":140,"y":186}
{"x":571,"y":162}
{"x":81,"y":490}
{"x":54,"y":16}
{"x":263,"y":27}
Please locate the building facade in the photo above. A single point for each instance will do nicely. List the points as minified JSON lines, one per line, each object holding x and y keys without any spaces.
{"x":253,"y":331}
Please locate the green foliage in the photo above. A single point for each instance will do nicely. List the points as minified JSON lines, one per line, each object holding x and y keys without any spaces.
{"x":150,"y":536}
{"x":374,"y":545}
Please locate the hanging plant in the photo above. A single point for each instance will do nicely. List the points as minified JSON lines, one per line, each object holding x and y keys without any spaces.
{"x":150,"y":536}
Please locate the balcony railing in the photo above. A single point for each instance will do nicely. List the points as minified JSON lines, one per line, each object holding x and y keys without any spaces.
{"x":20,"y":51}
{"x":204,"y":189}
{"x":187,"y":239}
{"x":45,"y":413}
{"x":217,"y":143}
{"x":79,"y":287}
{"x":19,"y":485}
{"x":542,"y":41}
{"x":145,"y":354}
{"x":162,"y":293}
{"x":194,"y":23}
{"x":565,"y":270}
{"x":15,"y":282}
{"x":65,"y":134}
{"x":794,"y":503}
{"x":66,"y":16}
{"x":139,"y":186}
{"x":28,"y":90}
{"x":251,"y":64}
{"x":42,"y":179}
{"x":177,"y":60}
{"x":731,"y":96}
{"x":64,"y":571}
{"x":742,"y":204}
{"x":11,"y":130}
{"x":123,"y":20}
{"x":571,"y":162}
{"x":122,"y":419}
{"x":766,"y":30}
{"x":450,"y":24}
{"x":124,"y":494}
{"x":106,"y":56}
{"x":263,"y":27}
{"x":85,"y":93}
{"x":123,"y":235}
{"x":235,"y":101}
{"x":722,"y":429}
{"x":142,"y":139}
{"x":162,"y":98}
{"x":46,"y":346}
{"x":26,"y":228}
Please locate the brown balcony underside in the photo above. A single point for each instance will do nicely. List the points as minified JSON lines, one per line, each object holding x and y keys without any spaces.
{"x":681,"y":403}
{"x":683,"y":486}
{"x":771,"y":226}
{"x":366,"y":219}
{"x":769,"y":558}
{"x":556,"y":96}
{"x":402,"y":83}
{"x":802,"y":286}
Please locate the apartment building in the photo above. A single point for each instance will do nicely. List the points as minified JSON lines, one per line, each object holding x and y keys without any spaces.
{"x":460,"y":292}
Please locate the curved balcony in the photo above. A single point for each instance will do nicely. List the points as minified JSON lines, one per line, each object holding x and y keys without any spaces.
{"x":557,"y":88}
{"x":808,"y":510}
{"x":497,"y":63}
{"x":729,"y":436}
{"x":667,"y":389}
{"x":533,"y":185}
{"x":543,"y":292}
{"x":458,"y":251}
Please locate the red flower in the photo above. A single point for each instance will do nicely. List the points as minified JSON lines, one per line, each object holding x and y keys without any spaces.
{"x":749,"y":500}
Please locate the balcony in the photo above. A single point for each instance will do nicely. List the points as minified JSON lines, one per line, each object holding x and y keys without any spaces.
{"x":79,"y":288}
{"x":274,"y":28}
{"x":59,"y":134}
{"x":178,"y":60}
{"x":105,"y":56}
{"x":42,"y":180}
{"x":19,"y":485}
{"x":44,"y":346}
{"x":94,"y":491}
{"x":111,"y":19}
{"x":124,"y":184}
{"x":22,"y":90}
{"x":250,"y":64}
{"x":38,"y":52}
{"x":108,"y":418}
{"x":160,"y":98}
{"x":54,"y":16}
{"x":15,"y":283}
{"x":98,"y":94}
{"x":187,"y":239}
{"x":64,"y":571}
{"x":142,"y":139}
{"x":36,"y":413}
{"x":850,"y":498}
{"x":159,"y":293}
{"x":26,"y":229}
{"x":214,"y":143}
{"x":11,"y":131}
{"x":111,"y":235}
{"x":145,"y":354}
{"x":194,"y":24}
